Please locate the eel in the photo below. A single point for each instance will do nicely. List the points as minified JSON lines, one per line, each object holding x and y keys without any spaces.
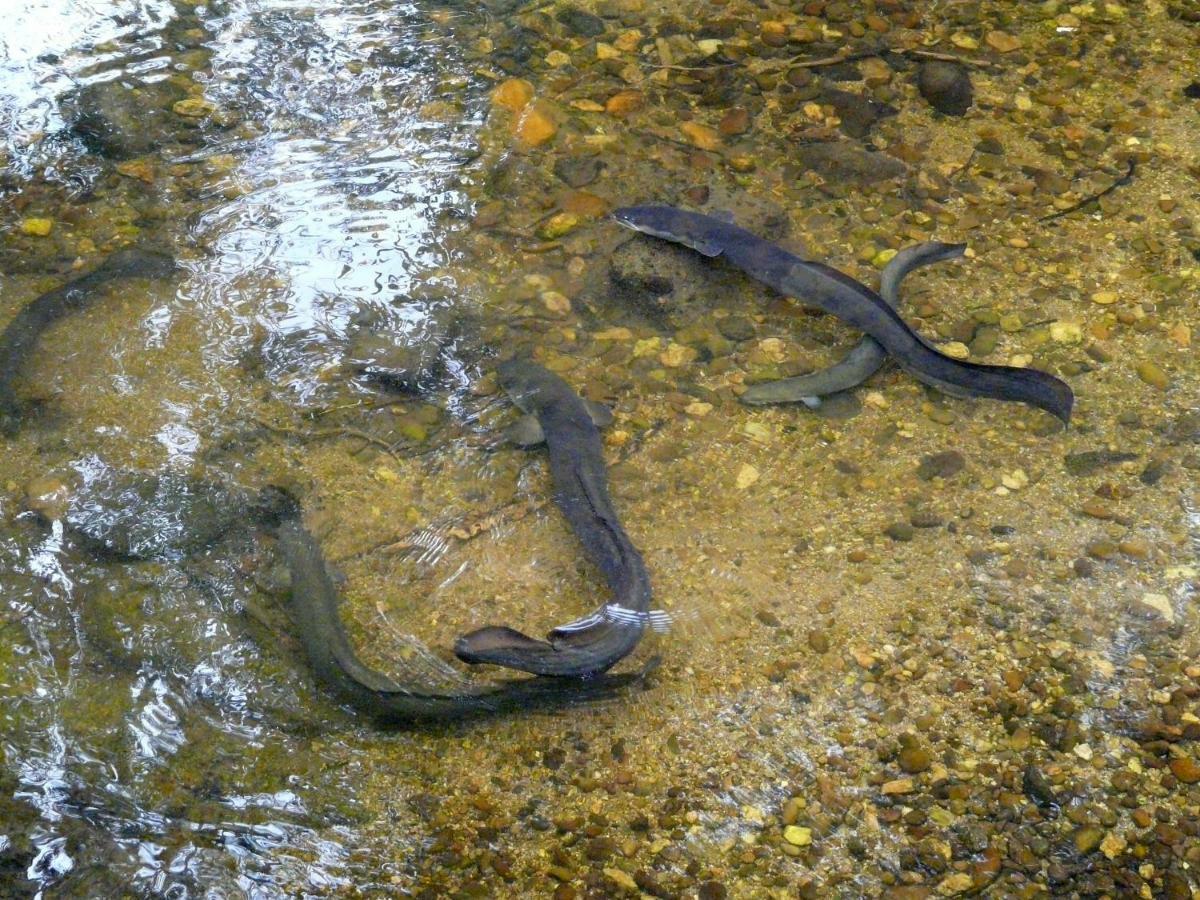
{"x":599,"y":641}
{"x":21,"y":335}
{"x":338,"y":668}
{"x":853,"y":302}
{"x":867,"y":356}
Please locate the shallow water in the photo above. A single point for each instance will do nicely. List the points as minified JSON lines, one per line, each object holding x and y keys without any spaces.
{"x":919,"y":645}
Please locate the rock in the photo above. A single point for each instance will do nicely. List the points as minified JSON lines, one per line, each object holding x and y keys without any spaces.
{"x":900,"y":531}
{"x":946,"y":86}
{"x":858,"y":113}
{"x":913,"y":758}
{"x":1090,"y":461}
{"x":558,"y":225}
{"x":622,"y":103}
{"x":513,"y":94}
{"x":403,"y":350}
{"x":1158,"y":605}
{"x":1185,"y":769}
{"x":137,"y":515}
{"x":194,"y":108}
{"x":1153,"y":375}
{"x":536,"y":125}
{"x":940,"y":465}
{"x":37,"y":227}
{"x":701,"y":135}
{"x":120,"y":120}
{"x":735,"y":121}
{"x":797,"y":835}
{"x":846,"y":161}
{"x":736,"y":328}
{"x":49,"y":497}
{"x":578,"y":171}
{"x":579,"y":22}
{"x":746,"y":476}
{"x":818,"y":641}
{"x":1002,"y":42}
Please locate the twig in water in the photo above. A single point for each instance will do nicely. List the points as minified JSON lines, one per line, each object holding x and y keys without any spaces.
{"x":1123,"y":180}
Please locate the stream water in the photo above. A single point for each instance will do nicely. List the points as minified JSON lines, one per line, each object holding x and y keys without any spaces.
{"x":918,"y":645}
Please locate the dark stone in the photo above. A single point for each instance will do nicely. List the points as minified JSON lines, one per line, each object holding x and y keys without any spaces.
{"x":1090,"y":461}
{"x":580,"y":22}
{"x":1192,"y":91}
{"x":900,"y":531}
{"x":736,"y":328}
{"x":940,"y":465}
{"x":858,"y":114}
{"x":946,"y":86}
{"x":578,"y":171}
{"x":847,"y":161}
{"x":120,"y":120}
{"x":924,"y":518}
{"x":1037,"y":787}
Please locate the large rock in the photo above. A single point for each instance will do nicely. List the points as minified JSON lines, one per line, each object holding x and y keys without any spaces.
{"x":121,"y":120}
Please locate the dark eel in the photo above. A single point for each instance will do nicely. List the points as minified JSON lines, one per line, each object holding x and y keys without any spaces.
{"x":851,"y":301}
{"x":314,"y":609}
{"x":22,"y":333}
{"x":596,"y":643}
{"x":867,"y":356}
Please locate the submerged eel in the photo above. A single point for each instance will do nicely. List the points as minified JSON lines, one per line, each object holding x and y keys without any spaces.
{"x":851,"y":301}
{"x":867,"y":356}
{"x":595,"y":643}
{"x":314,"y":608}
{"x":22,"y":333}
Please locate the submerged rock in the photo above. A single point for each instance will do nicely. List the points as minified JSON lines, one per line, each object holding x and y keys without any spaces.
{"x":946,"y":86}
{"x":120,"y":120}
{"x":141,"y":515}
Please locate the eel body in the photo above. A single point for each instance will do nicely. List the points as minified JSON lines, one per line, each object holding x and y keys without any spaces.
{"x":867,"y":356}
{"x":337,"y":667}
{"x":22,"y":333}
{"x":851,"y":301}
{"x":597,"y":642}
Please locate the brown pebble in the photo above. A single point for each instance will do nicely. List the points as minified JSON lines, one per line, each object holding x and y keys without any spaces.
{"x":1101,"y":548}
{"x":818,"y":641}
{"x":735,"y":121}
{"x":1097,"y":510}
{"x":1185,"y":769}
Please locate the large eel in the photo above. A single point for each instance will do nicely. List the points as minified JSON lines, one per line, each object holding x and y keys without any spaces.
{"x":851,"y":301}
{"x":867,"y":356}
{"x":596,"y":643}
{"x":22,"y":333}
{"x":314,"y":609}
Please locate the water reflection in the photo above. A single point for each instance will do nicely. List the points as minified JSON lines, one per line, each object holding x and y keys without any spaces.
{"x":148,"y":742}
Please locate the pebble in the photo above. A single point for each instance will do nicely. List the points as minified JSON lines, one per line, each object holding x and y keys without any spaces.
{"x":622,"y":103}
{"x":746,"y":476}
{"x":735,"y":121}
{"x":1066,"y":332}
{"x":1002,"y":41}
{"x":1153,"y":375}
{"x":946,"y":86}
{"x":622,"y":879}
{"x":556,"y":303}
{"x":536,"y":126}
{"x":37,"y":227}
{"x":1185,"y":769}
{"x":701,"y":135}
{"x":1105,"y":298}
{"x":940,"y":465}
{"x":900,"y":531}
{"x":736,"y":328}
{"x":513,"y":94}
{"x":194,"y":108}
{"x":898,"y":786}
{"x":558,"y":225}
{"x":1159,"y":605}
{"x":797,"y":835}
